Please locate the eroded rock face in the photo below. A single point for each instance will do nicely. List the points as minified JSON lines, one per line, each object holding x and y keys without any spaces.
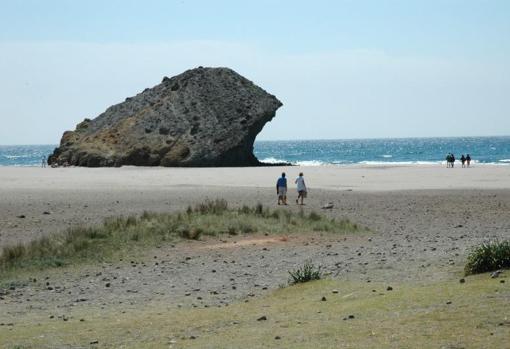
{"x":202,"y":117}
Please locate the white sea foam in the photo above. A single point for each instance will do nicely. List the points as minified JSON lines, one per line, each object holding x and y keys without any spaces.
{"x":13,"y":157}
{"x":272,"y":161}
{"x":341,"y":162}
{"x":399,"y":163}
{"x":387,"y":156}
{"x":309,"y":163}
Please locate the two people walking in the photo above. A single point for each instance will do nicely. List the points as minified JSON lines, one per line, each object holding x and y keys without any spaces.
{"x":450,"y":160}
{"x":281,"y":189}
{"x":465,"y":159}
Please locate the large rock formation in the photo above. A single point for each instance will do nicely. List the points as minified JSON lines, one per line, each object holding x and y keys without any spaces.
{"x":202,"y":117}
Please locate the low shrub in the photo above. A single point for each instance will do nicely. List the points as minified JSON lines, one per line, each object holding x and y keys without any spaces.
{"x":308,"y":272}
{"x":489,"y":256}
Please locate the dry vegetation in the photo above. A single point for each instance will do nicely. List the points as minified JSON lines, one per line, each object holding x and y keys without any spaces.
{"x":127,"y":235}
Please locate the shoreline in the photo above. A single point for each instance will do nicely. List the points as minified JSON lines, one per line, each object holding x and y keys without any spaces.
{"x":313,"y":163}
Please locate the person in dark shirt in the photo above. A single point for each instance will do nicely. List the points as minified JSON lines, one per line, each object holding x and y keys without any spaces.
{"x":281,"y":189}
{"x":468,"y":159}
{"x":463,"y":160}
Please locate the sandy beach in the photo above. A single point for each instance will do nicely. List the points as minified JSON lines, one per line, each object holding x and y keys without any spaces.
{"x":422,"y":222}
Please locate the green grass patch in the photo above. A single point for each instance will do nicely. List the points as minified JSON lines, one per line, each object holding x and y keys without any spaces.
{"x":444,"y":314}
{"x":489,"y":256}
{"x":120,"y":236}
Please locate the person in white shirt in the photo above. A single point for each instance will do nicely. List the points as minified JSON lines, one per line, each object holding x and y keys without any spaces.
{"x":301,"y":188}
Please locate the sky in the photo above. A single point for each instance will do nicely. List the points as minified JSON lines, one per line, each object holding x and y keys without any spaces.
{"x":343,"y":69}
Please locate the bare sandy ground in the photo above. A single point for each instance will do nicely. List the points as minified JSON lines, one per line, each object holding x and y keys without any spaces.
{"x":423,"y":220}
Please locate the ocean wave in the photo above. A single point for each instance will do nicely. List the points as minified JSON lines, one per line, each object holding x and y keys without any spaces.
{"x":504,"y":162}
{"x":309,"y":163}
{"x":492,"y":163}
{"x":399,"y":163}
{"x":20,"y":165}
{"x":387,"y":156}
{"x":14,"y":157}
{"x":273,"y":161}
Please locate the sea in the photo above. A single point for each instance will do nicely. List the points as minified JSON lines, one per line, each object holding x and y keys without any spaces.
{"x":341,"y":152}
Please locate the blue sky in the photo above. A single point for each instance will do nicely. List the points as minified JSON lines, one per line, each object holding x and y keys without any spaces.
{"x":343,"y":69}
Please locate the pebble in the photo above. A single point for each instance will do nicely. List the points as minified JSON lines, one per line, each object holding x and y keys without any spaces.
{"x":262,"y":318}
{"x":323,"y":299}
{"x":462,"y":281}
{"x":389,"y":288}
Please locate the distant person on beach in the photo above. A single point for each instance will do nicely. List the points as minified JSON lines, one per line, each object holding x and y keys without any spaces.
{"x":453,"y":160}
{"x":463,"y":160}
{"x":449,"y":160}
{"x":281,"y":189}
{"x":301,"y":188}
{"x":468,"y":159}
{"x":43,"y":162}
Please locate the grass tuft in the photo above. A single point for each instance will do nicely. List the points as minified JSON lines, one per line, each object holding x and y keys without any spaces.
{"x":216,"y":207}
{"x":12,"y":253}
{"x":308,"y":272}
{"x":314,"y":216}
{"x":489,"y":256}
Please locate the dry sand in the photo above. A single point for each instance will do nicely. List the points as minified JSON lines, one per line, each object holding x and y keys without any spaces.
{"x":423,"y":220}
